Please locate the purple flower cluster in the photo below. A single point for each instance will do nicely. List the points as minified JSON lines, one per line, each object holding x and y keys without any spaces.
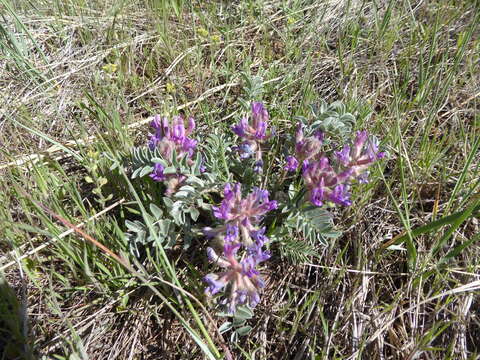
{"x":325,"y":182}
{"x":253,"y":135}
{"x":171,"y":139}
{"x":241,"y":230}
{"x":306,"y":148}
{"x":238,"y":242}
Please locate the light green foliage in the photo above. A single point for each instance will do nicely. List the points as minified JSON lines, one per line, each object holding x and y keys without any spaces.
{"x":172,"y":219}
{"x":305,"y":228}
{"x":237,"y":323}
{"x":189,"y":199}
{"x":315,"y":224}
{"x":216,"y":148}
{"x":253,"y":89}
{"x":138,"y":233}
{"x":333,"y":119}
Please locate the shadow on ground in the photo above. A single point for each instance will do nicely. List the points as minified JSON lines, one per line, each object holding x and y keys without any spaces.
{"x":13,"y":342}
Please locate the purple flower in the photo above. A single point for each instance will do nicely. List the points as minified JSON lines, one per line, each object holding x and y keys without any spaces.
{"x":212,"y":255}
{"x":258,"y":166}
{"x":221,"y":212}
{"x":241,"y":279}
{"x":169,"y":139}
{"x":292,"y":163}
{"x":253,"y":135}
{"x":157,"y":173}
{"x":245,"y":149}
{"x":317,"y":195}
{"x":230,"y":192}
{"x":256,"y":254}
{"x":326,"y":183}
{"x":360,"y":156}
{"x":160,"y":130}
{"x":340,"y":195}
{"x":248,"y":267}
{"x":363,"y":178}
{"x":306,"y":148}
{"x":243,"y":212}
{"x":261,"y":132}
{"x":178,"y":133}
{"x":231,"y":233}
{"x":259,"y":236}
{"x":241,"y":128}
{"x":214,"y":285}
{"x":202,"y":165}
{"x":373,"y":153}
{"x":230,"y":249}
{"x":343,"y":156}
{"x":189,"y":146}
{"x":172,"y":136}
{"x":358,"y":143}
{"x":260,"y":118}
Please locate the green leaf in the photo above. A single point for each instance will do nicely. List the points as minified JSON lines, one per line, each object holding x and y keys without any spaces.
{"x":455,"y":224}
{"x":182,"y":194}
{"x":195,"y":181}
{"x":238,"y":322}
{"x":164,"y":226}
{"x":134,"y":225}
{"x":187,"y":188}
{"x":156,"y":211}
{"x":194,"y":213}
{"x":198,"y":165}
{"x":244,"y":330}
{"x":244,"y":313}
{"x":458,"y":249}
{"x":136,"y":173}
{"x":159,"y":161}
{"x":168,"y":202}
{"x":174,"y":158}
{"x":435,"y":225}
{"x":149,"y":218}
{"x":225,"y":327}
{"x":170,"y":170}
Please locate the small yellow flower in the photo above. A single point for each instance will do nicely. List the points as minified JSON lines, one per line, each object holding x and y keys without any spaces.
{"x":216,"y":39}
{"x":110,"y":68}
{"x":291,"y":20}
{"x":93,"y":154}
{"x":202,"y":32}
{"x":170,"y":87}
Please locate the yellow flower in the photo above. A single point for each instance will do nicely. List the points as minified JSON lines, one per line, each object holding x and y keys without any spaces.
{"x":110,"y":68}
{"x":202,"y":32}
{"x":170,"y":87}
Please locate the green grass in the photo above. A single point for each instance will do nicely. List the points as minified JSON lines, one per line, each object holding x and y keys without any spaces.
{"x":401,"y":282}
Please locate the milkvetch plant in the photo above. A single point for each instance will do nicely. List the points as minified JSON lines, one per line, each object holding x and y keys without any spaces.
{"x":253,"y":135}
{"x":173,"y":144}
{"x":241,"y":231}
{"x":205,"y":197}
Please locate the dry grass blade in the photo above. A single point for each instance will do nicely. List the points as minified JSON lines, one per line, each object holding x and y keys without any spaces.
{"x":472,"y":286}
{"x":62,"y":235}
